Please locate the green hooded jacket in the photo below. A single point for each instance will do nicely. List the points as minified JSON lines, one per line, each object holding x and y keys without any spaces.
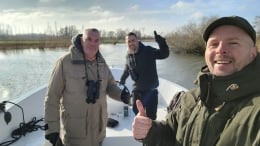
{"x":222,"y":111}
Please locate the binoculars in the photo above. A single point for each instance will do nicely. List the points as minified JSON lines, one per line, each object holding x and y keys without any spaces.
{"x":92,"y":91}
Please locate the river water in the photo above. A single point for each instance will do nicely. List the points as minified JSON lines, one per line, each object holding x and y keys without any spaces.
{"x":24,"y":70}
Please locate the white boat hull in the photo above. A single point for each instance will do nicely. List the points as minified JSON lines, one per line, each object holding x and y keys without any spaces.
{"x":33,"y":106}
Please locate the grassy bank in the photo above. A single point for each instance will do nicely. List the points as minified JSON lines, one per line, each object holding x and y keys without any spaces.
{"x":41,"y":44}
{"x":64,"y":43}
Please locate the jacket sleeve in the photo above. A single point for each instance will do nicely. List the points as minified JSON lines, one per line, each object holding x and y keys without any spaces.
{"x":171,"y":131}
{"x":163,"y":52}
{"x":163,"y":132}
{"x":52,"y":99}
{"x":112,"y":89}
{"x":125,"y":74}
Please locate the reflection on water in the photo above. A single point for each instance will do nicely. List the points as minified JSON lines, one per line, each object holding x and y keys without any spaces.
{"x":25,"y":70}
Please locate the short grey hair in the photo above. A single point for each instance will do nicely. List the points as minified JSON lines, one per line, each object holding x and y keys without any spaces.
{"x":87,"y":30}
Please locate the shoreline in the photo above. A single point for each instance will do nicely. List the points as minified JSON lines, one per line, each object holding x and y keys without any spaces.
{"x":65,"y":43}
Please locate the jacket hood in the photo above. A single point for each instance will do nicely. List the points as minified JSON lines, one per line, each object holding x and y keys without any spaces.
{"x":76,"y":41}
{"x":240,"y":84}
{"x":76,"y":51}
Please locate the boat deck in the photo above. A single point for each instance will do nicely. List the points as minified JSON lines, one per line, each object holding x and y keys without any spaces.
{"x":121,"y":135}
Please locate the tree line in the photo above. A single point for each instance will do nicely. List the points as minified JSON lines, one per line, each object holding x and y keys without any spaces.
{"x":66,"y":32}
{"x":186,"y":39}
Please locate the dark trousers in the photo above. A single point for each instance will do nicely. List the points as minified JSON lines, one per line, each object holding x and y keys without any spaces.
{"x":149,"y":100}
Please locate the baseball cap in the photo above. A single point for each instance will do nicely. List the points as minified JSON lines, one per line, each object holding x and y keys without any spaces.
{"x":231,"y":20}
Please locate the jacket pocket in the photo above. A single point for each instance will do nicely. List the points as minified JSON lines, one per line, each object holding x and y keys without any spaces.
{"x":74,"y":126}
{"x":75,"y":83}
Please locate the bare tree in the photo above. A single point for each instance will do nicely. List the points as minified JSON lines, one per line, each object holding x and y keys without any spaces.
{"x":68,"y":31}
{"x":120,"y":34}
{"x":111,"y":34}
{"x":188,"y":38}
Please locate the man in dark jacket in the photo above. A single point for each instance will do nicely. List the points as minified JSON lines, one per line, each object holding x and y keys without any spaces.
{"x":141,"y":66}
{"x":225,"y":109}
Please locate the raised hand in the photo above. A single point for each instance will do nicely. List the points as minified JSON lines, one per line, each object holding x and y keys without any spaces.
{"x":141,"y":124}
{"x":159,"y":39}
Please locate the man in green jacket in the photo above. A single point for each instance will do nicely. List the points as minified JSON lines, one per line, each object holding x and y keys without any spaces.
{"x":225,"y":109}
{"x":77,"y":91}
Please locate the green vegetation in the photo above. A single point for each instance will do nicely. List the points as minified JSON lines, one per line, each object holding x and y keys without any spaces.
{"x":186,"y":39}
{"x":22,"y":44}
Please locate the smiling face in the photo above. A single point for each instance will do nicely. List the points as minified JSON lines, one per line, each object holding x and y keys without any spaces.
{"x":229,"y":49}
{"x":90,"y":42}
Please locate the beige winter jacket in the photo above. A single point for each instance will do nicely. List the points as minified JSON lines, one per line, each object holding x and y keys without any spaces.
{"x":83,"y":124}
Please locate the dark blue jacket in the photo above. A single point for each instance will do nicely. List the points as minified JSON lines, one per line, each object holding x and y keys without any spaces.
{"x":144,"y":67}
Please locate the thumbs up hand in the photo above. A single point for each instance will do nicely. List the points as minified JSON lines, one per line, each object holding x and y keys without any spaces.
{"x":140,"y":108}
{"x":141,"y":124}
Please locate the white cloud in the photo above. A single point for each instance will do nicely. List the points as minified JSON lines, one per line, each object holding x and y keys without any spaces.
{"x":197,"y":15}
{"x":106,"y":21}
{"x":128,"y":14}
{"x":182,"y":7}
{"x":44,"y":1}
{"x":134,"y":8}
{"x":48,"y":1}
{"x":97,"y":11}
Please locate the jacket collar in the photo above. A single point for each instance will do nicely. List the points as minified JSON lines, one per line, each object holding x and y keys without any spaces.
{"x":240,"y":84}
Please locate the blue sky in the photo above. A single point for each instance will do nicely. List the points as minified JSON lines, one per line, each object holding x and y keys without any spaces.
{"x":145,"y":15}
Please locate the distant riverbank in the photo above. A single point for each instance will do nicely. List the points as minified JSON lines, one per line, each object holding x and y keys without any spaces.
{"x":39,"y":44}
{"x":65,"y":43}
{"x":50,"y":43}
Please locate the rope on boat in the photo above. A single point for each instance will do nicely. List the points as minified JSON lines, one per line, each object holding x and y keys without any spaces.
{"x":23,"y":129}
